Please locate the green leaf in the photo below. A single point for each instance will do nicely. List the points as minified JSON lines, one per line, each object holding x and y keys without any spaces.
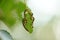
{"x":7,"y":6}
{"x":9,"y":20}
{"x":20,"y":7}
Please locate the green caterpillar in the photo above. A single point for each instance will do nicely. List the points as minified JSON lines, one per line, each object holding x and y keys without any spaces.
{"x":28,"y":20}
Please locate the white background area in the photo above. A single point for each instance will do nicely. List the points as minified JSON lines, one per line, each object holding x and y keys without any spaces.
{"x":45,"y":11}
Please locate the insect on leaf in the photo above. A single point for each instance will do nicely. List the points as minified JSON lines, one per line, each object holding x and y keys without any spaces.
{"x":28,"y":20}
